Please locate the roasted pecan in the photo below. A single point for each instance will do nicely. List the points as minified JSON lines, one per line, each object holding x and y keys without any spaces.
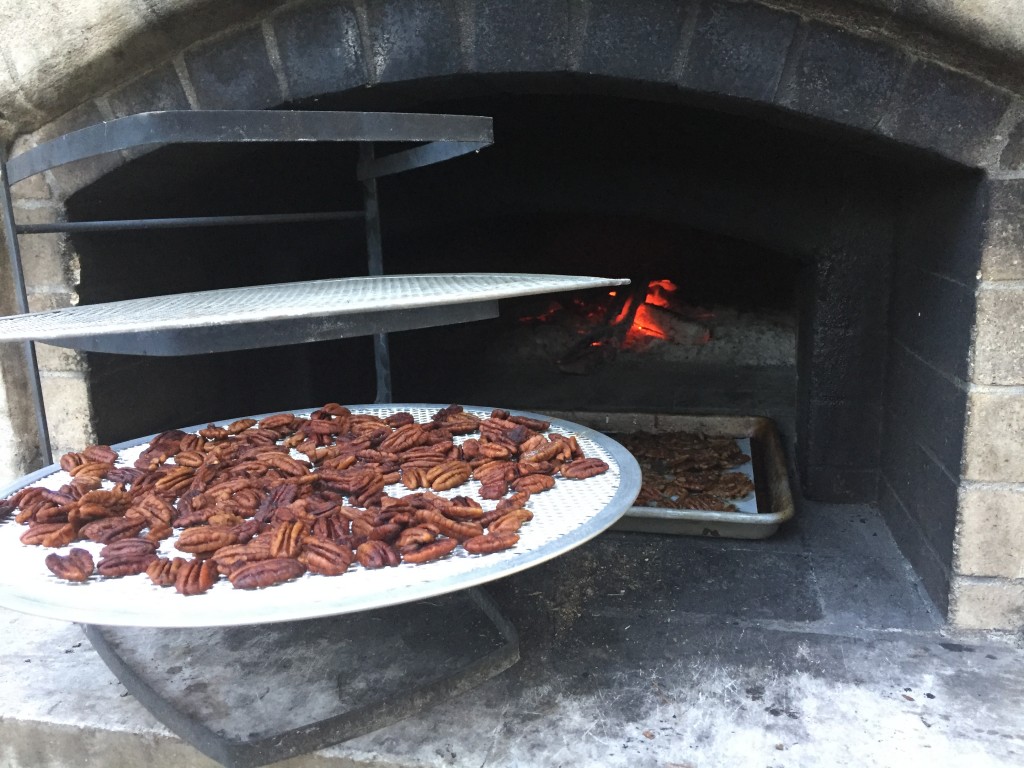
{"x":493,"y":490}
{"x":435,"y":550}
{"x":49,"y":534}
{"x":128,"y":564}
{"x":530,"y":423}
{"x":163,"y":572}
{"x":205,"y":539}
{"x":490,"y":542}
{"x":533,"y":483}
{"x":128,"y":547}
{"x":511,"y":521}
{"x":71,"y":460}
{"x":92,"y":469}
{"x":516,"y":501}
{"x":584,"y":468}
{"x":287,"y":539}
{"x":450,"y":528}
{"x":405,"y":437}
{"x":190,"y":459}
{"x":76,"y":565}
{"x":325,"y":557}
{"x":111,"y":529}
{"x":415,"y":537}
{"x":414,"y":477}
{"x":195,"y":577}
{"x":236,"y":555}
{"x":449,"y":475}
{"x":399,"y":419}
{"x":377,"y":554}
{"x":266,"y":573}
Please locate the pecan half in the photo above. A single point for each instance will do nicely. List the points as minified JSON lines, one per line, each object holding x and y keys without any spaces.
{"x":325,"y":557}
{"x":424,"y":553}
{"x":196,"y":576}
{"x":76,"y":565}
{"x":490,"y":542}
{"x":163,"y":572}
{"x":584,"y":468}
{"x":511,"y":521}
{"x":205,"y":539}
{"x":377,"y":554}
{"x":533,"y":483}
{"x":266,"y":573}
{"x":111,"y":529}
{"x":287,"y":539}
{"x":128,"y":564}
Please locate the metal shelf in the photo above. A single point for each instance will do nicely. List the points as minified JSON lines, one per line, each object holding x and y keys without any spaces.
{"x":286,"y":313}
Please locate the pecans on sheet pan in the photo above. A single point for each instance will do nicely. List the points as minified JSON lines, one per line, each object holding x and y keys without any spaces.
{"x":261,"y":503}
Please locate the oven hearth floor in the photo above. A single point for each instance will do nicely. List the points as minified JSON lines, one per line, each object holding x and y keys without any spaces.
{"x":815,"y":647}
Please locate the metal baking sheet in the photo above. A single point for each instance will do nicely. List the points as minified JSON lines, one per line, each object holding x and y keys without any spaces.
{"x":774,"y":500}
{"x":566,"y":516}
{"x":285,"y":313}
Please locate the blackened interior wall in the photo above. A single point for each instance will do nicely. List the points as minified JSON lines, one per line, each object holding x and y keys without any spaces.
{"x":938,"y":245}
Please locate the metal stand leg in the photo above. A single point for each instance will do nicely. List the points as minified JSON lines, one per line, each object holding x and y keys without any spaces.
{"x":381,"y":354}
{"x":21,"y":298}
{"x":248,"y":696}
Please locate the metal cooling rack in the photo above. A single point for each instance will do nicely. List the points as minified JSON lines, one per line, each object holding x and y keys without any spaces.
{"x":564,"y":517}
{"x":285,"y":313}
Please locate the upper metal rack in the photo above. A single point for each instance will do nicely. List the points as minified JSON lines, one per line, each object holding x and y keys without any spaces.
{"x":436,"y":138}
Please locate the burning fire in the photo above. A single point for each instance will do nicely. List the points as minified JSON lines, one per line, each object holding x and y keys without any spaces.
{"x":633,"y":320}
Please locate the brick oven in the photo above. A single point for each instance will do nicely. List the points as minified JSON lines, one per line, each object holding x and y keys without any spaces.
{"x":841,"y":177}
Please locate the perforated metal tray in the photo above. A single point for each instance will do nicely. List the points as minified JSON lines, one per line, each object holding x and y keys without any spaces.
{"x":565,"y":517}
{"x":285,"y":313}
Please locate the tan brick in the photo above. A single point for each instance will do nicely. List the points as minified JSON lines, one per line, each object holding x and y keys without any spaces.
{"x":51,"y":358}
{"x":1002,"y":257}
{"x":46,"y":300}
{"x":994,"y":438}
{"x":68,"y":412}
{"x":991,"y":534}
{"x":43,"y":257}
{"x":999,"y":337}
{"x":986,"y":604}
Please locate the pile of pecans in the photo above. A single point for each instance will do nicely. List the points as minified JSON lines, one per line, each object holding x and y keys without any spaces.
{"x":242,"y":506}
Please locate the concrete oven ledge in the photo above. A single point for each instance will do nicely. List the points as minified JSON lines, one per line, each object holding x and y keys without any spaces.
{"x":811,"y":648}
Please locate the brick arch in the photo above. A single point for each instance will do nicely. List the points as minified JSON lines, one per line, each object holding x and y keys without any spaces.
{"x":744,"y":55}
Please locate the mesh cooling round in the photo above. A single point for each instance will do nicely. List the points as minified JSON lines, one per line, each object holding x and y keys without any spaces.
{"x":564,"y":517}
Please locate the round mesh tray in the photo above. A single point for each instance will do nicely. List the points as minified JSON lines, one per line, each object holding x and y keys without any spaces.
{"x":564,"y":517}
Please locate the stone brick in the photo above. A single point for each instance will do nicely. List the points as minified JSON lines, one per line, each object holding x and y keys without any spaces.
{"x":842,"y":77}
{"x":525,"y":36}
{"x":987,"y":604}
{"x":68,"y":412}
{"x":1012,"y":156}
{"x":158,"y":90}
{"x":999,"y":336}
{"x":60,"y":359}
{"x":68,"y":179}
{"x":321,"y":48}
{"x":994,"y":439}
{"x":1002,"y":257}
{"x":946,"y":112}
{"x":413,"y":39}
{"x":633,"y":40}
{"x":233,"y":72}
{"x":991,"y":541}
{"x":739,"y":49}
{"x":43,"y":257}
{"x":42,"y":301}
